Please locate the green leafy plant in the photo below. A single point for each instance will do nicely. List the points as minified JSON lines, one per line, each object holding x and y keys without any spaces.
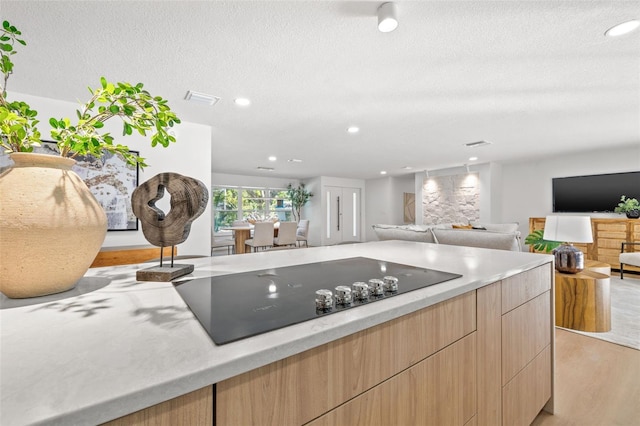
{"x":299,"y":196}
{"x":536,"y":240}
{"x":627,"y":205}
{"x":137,"y":108}
{"x":18,"y":131}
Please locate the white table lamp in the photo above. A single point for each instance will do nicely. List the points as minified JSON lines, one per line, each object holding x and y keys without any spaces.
{"x":567,"y":230}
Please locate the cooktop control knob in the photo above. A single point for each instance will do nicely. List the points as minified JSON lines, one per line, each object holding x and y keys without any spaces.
{"x":360,"y":291}
{"x":324,"y":299}
{"x":343,"y":295}
{"x":376,"y":287}
{"x":390,"y":283}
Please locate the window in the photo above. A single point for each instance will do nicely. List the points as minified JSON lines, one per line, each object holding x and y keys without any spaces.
{"x":231,"y":204}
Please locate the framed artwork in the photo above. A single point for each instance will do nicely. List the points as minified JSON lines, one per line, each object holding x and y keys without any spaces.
{"x":110,"y":179}
{"x":409,"y":207}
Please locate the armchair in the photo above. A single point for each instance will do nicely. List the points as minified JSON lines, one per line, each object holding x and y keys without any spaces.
{"x":628,"y":258}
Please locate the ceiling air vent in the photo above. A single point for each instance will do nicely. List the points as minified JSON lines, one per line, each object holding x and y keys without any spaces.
{"x":267,"y":169}
{"x":201,"y":98}
{"x":477,"y":144}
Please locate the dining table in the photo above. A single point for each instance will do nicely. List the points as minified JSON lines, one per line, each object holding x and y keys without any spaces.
{"x":243,"y":233}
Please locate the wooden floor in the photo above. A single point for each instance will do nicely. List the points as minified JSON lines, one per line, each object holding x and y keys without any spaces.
{"x":597,"y":383}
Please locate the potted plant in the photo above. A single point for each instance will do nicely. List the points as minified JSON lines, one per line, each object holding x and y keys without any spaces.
{"x":536,"y":240}
{"x":43,"y":202}
{"x":629,"y":206}
{"x":299,"y":196}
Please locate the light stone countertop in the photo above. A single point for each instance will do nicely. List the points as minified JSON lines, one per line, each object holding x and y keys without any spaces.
{"x":113,"y":345}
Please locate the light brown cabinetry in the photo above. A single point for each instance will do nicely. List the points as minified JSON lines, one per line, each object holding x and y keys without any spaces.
{"x":608,"y":235}
{"x":484,"y":357}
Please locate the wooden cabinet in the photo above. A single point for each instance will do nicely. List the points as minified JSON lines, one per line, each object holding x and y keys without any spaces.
{"x":441,"y":390}
{"x":300,"y":388}
{"x":484,"y":357}
{"x":608,"y":236}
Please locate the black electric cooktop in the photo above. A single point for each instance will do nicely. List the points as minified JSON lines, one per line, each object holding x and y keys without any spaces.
{"x":232,"y":307}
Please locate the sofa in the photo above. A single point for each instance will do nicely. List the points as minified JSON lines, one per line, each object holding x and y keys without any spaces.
{"x":500,"y":236}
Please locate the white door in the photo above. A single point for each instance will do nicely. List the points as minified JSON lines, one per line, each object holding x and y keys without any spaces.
{"x":342,"y":221}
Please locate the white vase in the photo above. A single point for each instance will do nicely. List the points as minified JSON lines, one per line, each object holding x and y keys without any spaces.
{"x":51,"y":226}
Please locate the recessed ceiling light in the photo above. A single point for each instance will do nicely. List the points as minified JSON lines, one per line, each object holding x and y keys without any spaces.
{"x":294,"y":160}
{"x":266,"y":169}
{"x":242,"y":101}
{"x":623,"y":28}
{"x":202,"y":98}
{"x":353,"y":129}
{"x":273,"y":158}
{"x":407,"y":167}
{"x":383,"y":172}
{"x":473,"y":158}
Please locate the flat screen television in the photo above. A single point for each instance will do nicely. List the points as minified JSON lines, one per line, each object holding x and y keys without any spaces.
{"x":593,"y":193}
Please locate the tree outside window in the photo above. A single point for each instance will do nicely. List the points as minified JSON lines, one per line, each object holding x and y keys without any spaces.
{"x":230,"y":204}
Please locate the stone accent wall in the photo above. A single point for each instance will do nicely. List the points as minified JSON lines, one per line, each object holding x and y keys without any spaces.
{"x":451,"y":199}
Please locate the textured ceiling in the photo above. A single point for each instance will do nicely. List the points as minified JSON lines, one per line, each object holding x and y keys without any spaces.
{"x":532,"y":77}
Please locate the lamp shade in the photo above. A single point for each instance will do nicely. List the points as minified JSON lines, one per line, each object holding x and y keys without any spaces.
{"x":573,"y":229}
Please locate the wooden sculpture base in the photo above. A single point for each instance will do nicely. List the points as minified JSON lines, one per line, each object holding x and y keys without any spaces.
{"x":163,"y":273}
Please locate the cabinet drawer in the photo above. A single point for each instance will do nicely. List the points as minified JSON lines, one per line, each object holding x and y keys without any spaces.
{"x":619,"y":227}
{"x":302,"y":387}
{"x":525,"y":395}
{"x":520,"y":288}
{"x":440,"y":390}
{"x":525,"y":332}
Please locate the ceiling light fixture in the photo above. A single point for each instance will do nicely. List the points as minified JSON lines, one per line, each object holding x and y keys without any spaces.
{"x":266,"y":169}
{"x":623,"y":28}
{"x":387,"y":21}
{"x":473,"y":158}
{"x":383,"y":172}
{"x":294,"y":160}
{"x":202,"y":98}
{"x":273,"y":158}
{"x":242,"y":101}
{"x":353,"y":129}
{"x":407,"y":167}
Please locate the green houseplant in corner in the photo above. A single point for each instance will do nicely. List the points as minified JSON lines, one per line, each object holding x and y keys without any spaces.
{"x":42,"y":201}
{"x":299,"y":196}
{"x":629,"y":206}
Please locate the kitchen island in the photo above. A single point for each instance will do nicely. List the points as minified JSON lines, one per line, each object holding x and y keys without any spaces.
{"x":113,"y":346}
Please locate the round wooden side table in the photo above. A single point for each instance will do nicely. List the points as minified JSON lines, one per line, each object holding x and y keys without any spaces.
{"x":583,"y":300}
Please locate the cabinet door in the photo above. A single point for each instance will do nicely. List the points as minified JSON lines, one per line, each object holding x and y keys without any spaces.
{"x":441,"y":390}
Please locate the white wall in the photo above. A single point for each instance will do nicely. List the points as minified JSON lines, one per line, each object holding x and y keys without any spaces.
{"x":488,"y":174}
{"x":189,"y":156}
{"x":526,"y":186}
{"x":222,"y":179}
{"x":385,"y":199}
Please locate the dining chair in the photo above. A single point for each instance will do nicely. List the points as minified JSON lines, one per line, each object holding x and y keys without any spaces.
{"x":262,"y":236}
{"x":286,"y":234}
{"x":302,"y":232}
{"x":229,"y":243}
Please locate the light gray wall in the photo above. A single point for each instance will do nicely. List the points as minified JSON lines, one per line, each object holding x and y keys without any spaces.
{"x":385,"y":198}
{"x":189,"y":156}
{"x":526,"y":186}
